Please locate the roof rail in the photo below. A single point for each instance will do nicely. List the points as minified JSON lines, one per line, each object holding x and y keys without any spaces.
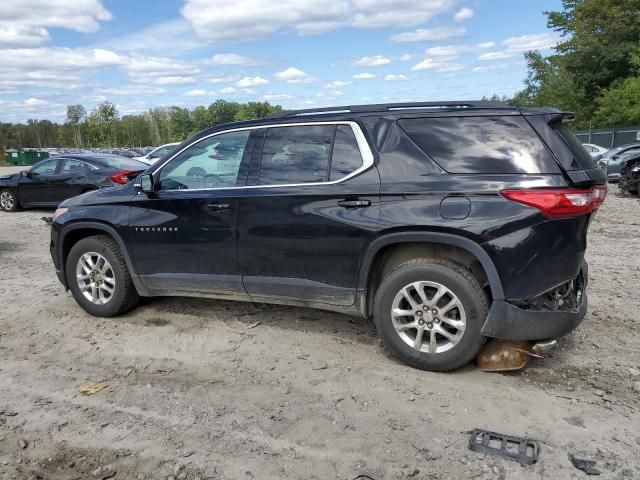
{"x":382,"y":107}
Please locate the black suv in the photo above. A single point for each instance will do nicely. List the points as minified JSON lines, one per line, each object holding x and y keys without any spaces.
{"x":445,"y":222}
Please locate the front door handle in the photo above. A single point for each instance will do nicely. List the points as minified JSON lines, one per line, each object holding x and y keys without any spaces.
{"x":217,"y":207}
{"x":354,"y":203}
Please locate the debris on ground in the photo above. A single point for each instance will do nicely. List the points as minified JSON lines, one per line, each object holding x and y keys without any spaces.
{"x":91,"y":388}
{"x":584,"y":465}
{"x":521,"y":450}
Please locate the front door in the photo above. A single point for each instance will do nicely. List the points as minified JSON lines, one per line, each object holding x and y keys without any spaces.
{"x":36,"y":187}
{"x":310,"y":212}
{"x":183,"y":236}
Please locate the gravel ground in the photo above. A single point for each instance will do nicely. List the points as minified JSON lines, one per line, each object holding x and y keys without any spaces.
{"x":214,"y":389}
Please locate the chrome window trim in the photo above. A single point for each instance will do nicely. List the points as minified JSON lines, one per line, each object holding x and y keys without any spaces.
{"x":365,"y":153}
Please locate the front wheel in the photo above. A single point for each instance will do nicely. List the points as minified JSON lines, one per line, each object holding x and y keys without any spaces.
{"x":9,"y":201}
{"x":98,"y":277}
{"x":429,"y":313}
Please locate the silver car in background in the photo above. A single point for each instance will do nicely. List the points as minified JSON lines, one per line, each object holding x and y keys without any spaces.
{"x":615,"y":158}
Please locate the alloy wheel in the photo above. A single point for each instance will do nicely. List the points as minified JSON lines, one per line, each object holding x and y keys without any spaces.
{"x":95,"y":277}
{"x":7,"y":200}
{"x":428,"y":317}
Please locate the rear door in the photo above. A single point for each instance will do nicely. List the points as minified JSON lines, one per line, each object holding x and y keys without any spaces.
{"x":70,"y":179}
{"x":35,"y":188}
{"x":183,"y":236}
{"x":309,"y":211}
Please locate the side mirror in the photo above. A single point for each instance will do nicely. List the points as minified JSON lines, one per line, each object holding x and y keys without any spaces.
{"x":24,"y":173}
{"x":144,"y":183}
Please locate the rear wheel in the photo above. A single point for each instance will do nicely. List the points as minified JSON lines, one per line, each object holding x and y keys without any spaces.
{"x":8,"y":201}
{"x":429,"y":313}
{"x":98,"y":277}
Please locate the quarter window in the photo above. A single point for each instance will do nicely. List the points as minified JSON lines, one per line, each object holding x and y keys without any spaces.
{"x":211,"y":163}
{"x":296,"y":154}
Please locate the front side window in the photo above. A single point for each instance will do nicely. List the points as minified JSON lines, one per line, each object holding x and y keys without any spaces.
{"x":211,"y":163}
{"x":47,"y":167}
{"x":296,"y":154}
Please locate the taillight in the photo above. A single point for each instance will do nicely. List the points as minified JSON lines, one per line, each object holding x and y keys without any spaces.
{"x":559,"y":202}
{"x":122,"y":177}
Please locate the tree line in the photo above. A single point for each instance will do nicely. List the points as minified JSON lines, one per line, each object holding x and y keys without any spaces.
{"x":595,"y":69}
{"x":104,"y":127}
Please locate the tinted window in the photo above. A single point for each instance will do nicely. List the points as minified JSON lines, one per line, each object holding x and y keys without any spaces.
{"x":573,"y":143}
{"x":47,"y":167}
{"x":296,"y":154}
{"x":346,"y":154}
{"x":503,"y":144}
{"x":211,"y":163}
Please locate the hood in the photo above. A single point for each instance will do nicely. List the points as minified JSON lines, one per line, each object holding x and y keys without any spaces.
{"x":9,"y":179}
{"x":102,"y":196}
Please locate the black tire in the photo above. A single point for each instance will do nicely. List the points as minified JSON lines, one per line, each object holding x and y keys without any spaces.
{"x":124,"y":297}
{"x":13,"y":198}
{"x":459,"y":281}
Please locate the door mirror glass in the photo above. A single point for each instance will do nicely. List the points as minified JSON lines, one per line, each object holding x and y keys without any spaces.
{"x":144,"y":183}
{"x":24,"y":173}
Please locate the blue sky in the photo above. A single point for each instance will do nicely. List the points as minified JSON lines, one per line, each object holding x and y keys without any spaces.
{"x":297,"y":53}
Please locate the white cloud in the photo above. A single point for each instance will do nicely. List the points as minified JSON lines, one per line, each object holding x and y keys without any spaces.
{"x":251,"y":82}
{"x":489,"y":68}
{"x":294,"y":75}
{"x":35,"y":102}
{"x":232,"y":59}
{"x":22,"y":36}
{"x":228,"y":90}
{"x":437,"y":65}
{"x":174,"y":36}
{"x":395,"y":78}
{"x":169,"y":80}
{"x":337,"y":84}
{"x":435,"y":34}
{"x":78,"y":15}
{"x":363,"y":76}
{"x":463,"y":14}
{"x":407,"y":57}
{"x":484,"y":45}
{"x":222,"y":79}
{"x":131,"y":90}
{"x":275,"y":97}
{"x":221,"y":20}
{"x":373,"y":61}
{"x":160,"y":71}
{"x":196,"y":93}
{"x":538,"y":41}
{"x":449,"y":51}
{"x":516,"y":45}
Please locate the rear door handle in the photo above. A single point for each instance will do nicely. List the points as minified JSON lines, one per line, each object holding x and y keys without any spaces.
{"x":217,"y":207}
{"x":354,"y":203}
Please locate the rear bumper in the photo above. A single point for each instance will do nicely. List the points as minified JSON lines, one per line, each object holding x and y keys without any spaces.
{"x":510,"y":322}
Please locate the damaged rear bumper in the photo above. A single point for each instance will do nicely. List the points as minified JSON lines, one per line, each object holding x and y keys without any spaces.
{"x":511,"y":322}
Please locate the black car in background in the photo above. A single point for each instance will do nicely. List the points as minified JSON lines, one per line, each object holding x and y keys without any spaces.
{"x":53,"y":180}
{"x":630,"y":175}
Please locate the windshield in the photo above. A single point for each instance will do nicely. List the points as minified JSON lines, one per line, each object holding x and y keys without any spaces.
{"x":613,"y":151}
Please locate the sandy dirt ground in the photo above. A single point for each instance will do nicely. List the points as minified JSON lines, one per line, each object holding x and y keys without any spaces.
{"x":203,"y":389}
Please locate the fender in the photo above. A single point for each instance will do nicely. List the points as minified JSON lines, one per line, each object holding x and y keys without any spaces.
{"x":142,"y":290}
{"x":432,"y":237}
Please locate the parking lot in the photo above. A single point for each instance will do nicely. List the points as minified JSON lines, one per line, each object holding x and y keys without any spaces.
{"x":212,"y":389}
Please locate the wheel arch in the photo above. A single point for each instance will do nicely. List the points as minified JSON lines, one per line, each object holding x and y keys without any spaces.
{"x":74,"y":232}
{"x":396,"y":246}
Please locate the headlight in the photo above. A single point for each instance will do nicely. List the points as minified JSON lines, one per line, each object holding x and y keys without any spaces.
{"x":58,"y":212}
{"x":636,"y":169}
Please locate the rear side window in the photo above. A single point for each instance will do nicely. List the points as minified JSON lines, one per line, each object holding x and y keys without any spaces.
{"x":481,"y":145}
